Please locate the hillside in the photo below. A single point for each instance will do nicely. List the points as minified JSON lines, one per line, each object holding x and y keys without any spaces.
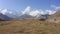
{"x":29,"y":26}
{"x":55,"y":17}
{"x":57,"y":14}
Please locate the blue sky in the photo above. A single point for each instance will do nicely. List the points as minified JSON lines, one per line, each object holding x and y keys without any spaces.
{"x":55,"y":2}
{"x":22,"y":4}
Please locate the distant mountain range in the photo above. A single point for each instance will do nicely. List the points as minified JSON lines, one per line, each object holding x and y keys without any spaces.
{"x":6,"y":14}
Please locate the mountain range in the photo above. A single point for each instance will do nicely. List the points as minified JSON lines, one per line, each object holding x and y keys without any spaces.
{"x":6,"y":14}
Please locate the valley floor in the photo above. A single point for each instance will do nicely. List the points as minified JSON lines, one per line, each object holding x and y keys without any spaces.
{"x":29,"y":26}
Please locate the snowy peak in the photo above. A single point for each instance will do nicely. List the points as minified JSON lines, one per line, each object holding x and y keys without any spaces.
{"x":36,"y":12}
{"x":4,"y":11}
{"x":10,"y":13}
{"x":28,"y":11}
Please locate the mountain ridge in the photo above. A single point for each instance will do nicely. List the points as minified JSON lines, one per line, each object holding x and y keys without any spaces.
{"x":4,"y":17}
{"x":18,"y":14}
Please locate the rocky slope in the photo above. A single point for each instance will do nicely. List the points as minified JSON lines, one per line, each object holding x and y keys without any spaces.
{"x":55,"y":17}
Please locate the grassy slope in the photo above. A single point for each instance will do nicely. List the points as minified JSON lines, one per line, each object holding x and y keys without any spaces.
{"x":30,"y":26}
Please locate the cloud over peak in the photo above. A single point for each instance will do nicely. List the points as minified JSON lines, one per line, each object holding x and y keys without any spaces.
{"x":27,"y":11}
{"x":36,"y":12}
{"x":5,"y":11}
{"x":55,"y":7}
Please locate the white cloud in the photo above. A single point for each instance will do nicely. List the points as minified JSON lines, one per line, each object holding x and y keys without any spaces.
{"x":58,"y":8}
{"x":10,"y":12}
{"x":55,"y":7}
{"x":50,"y":12}
{"x":4,"y":11}
{"x":0,"y":9}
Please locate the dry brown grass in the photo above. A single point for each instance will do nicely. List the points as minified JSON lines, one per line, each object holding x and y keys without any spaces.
{"x":29,"y":26}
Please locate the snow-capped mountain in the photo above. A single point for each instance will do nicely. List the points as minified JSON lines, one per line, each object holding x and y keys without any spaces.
{"x":36,"y":12}
{"x":4,"y":17}
{"x":27,"y":13}
{"x":10,"y":13}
